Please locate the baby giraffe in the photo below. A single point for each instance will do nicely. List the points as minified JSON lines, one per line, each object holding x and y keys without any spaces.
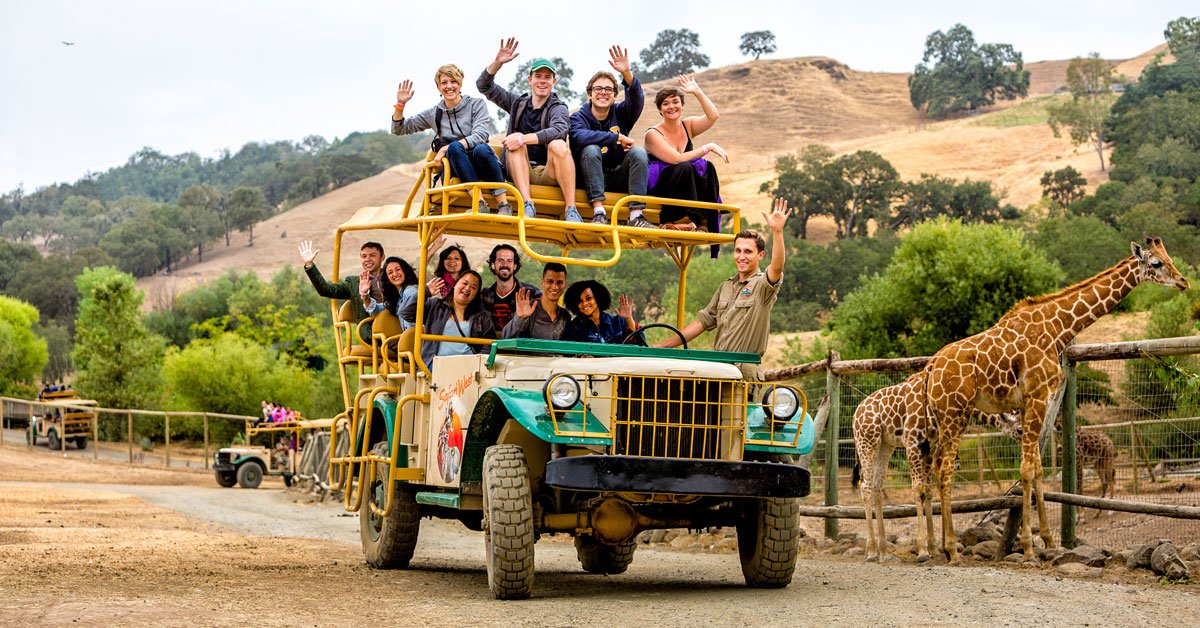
{"x":892,"y":417}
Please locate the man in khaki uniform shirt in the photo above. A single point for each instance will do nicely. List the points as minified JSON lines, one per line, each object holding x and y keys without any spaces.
{"x":741,"y":309}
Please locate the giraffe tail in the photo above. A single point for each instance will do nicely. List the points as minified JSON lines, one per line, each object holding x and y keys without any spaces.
{"x":856,"y":474}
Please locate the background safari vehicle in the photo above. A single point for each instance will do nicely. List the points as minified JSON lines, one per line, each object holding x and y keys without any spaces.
{"x":536,"y":437}
{"x":65,"y":418}
{"x":245,"y":465}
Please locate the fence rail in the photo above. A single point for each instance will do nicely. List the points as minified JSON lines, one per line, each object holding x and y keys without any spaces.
{"x":1142,"y":396}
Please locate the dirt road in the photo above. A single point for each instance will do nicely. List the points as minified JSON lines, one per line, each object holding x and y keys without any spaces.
{"x":110,"y":553}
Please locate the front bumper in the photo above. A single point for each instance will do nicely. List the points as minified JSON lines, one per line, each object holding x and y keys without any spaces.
{"x":677,"y":476}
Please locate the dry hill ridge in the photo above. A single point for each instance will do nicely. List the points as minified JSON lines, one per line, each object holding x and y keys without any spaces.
{"x":768,"y":108}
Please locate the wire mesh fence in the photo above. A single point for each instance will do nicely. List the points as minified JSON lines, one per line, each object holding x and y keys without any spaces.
{"x":1138,"y":439}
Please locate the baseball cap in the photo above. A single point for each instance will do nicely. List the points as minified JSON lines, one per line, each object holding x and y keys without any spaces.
{"x":542,"y":62}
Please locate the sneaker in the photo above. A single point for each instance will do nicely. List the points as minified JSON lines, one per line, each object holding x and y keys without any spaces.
{"x":572,"y":214}
{"x":640,"y":221}
{"x":483,"y":207}
{"x":530,"y":210}
{"x":504,"y":209}
{"x":600,"y":217}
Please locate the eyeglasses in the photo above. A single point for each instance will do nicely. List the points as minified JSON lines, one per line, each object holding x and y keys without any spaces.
{"x":604,"y":90}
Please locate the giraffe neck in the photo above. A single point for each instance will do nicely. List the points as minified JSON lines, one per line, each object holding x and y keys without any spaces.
{"x":1073,"y":309}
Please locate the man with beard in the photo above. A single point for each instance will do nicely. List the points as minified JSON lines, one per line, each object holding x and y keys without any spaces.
{"x":370,"y":255}
{"x":541,"y":318}
{"x":499,"y":299}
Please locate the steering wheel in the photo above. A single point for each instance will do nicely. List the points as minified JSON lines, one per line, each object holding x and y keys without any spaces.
{"x":641,"y":333}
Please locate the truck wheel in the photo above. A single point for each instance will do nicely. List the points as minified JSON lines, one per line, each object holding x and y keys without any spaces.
{"x":287,"y":480}
{"x":81,"y":442}
{"x":508,"y":522}
{"x":388,"y":542}
{"x":768,"y":538}
{"x":226,"y":478}
{"x":597,"y":557}
{"x":52,"y":441}
{"x":249,"y":475}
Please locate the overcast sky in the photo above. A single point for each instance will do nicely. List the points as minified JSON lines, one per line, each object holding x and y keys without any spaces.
{"x":204,"y":76}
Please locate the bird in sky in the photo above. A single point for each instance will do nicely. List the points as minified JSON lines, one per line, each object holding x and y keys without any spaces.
{"x":68,"y":43}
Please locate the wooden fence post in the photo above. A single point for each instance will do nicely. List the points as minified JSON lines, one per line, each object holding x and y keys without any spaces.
{"x":205,"y":440}
{"x":1069,"y":461}
{"x":167,"y":432}
{"x":129,"y":419}
{"x":833,"y":387}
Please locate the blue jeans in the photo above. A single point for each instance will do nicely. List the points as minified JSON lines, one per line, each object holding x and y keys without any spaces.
{"x":629,"y":177}
{"x":479,"y":164}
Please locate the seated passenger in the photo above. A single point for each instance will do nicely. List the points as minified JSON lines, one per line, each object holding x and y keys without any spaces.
{"x":460,"y":129}
{"x":604,"y":153}
{"x":452,"y":263}
{"x":461,"y":316}
{"x":499,"y":299}
{"x":541,"y":318}
{"x":399,"y":288}
{"x":677,"y":169}
{"x":535,"y":148}
{"x":588,"y":301}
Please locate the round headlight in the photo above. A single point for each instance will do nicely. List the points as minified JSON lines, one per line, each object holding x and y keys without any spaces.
{"x":562,"y":391}
{"x":780,"y":402}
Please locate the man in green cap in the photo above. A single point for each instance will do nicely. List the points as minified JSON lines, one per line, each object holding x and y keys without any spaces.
{"x":535,"y":148}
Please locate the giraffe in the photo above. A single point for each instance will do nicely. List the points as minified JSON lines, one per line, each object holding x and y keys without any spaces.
{"x":1014,"y":365}
{"x":1094,"y":449}
{"x":892,"y":417}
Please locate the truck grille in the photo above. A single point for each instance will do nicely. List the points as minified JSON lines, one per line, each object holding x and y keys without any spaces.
{"x":675,"y":417}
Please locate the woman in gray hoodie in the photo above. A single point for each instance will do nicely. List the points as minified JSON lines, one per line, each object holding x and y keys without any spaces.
{"x":460,"y":126}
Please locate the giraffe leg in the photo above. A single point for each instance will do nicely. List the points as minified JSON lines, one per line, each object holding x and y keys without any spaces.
{"x":947,"y":453}
{"x":1043,"y":521}
{"x":920,"y":485}
{"x":866,"y":457}
{"x":880,"y":475}
{"x":1031,"y":464}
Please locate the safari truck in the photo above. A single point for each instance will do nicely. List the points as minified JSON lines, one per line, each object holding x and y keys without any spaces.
{"x":245,"y":465}
{"x":538,"y":437}
{"x":65,"y":418}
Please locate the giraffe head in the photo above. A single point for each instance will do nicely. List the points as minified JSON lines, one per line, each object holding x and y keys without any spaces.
{"x":1154,"y":264}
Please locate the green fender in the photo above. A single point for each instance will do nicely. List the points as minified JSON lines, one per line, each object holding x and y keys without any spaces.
{"x":242,"y":459}
{"x":385,"y":407}
{"x":528,"y":408}
{"x":757,"y":429}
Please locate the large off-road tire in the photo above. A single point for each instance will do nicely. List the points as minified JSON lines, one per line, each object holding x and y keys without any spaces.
{"x":249,"y":475}
{"x":52,"y":441}
{"x":508,"y":522}
{"x":597,"y":557}
{"x":226,"y":478}
{"x":768,"y":539}
{"x":388,"y":542}
{"x":81,"y":442}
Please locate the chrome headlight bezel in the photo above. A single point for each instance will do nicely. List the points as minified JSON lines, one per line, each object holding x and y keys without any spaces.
{"x":780,"y":402}
{"x":562,"y":392}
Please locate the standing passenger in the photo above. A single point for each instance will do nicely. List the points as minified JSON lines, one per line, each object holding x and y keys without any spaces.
{"x":535,"y":149}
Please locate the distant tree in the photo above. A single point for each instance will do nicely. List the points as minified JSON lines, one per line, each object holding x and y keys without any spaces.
{"x":49,"y":285}
{"x":58,"y":346}
{"x":233,"y":375}
{"x":520,"y":82}
{"x":1090,"y":81}
{"x":865,"y":185}
{"x":956,"y":74}
{"x":802,"y":180}
{"x":248,"y":206}
{"x":946,"y":281}
{"x":201,"y":216}
{"x":757,"y":43}
{"x":1063,"y":186}
{"x":932,"y":196}
{"x":346,"y":169}
{"x":133,"y":244}
{"x":1183,"y":36}
{"x":1059,"y":238}
{"x":22,"y":352}
{"x":673,"y":52}
{"x":14,"y":255}
{"x":117,"y":361}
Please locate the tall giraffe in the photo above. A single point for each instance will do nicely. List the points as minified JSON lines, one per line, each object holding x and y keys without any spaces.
{"x":892,"y":417}
{"x":1014,"y":365}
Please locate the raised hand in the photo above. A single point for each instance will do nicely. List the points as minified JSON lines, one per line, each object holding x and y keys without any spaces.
{"x":308,"y":253}
{"x":525,"y":303}
{"x":777,"y":218}
{"x":405,"y":92}
{"x":619,"y":59}
{"x":688,"y":84}
{"x":436,"y":246}
{"x":625,"y":311}
{"x":364,"y":284}
{"x":714,"y":148}
{"x":436,"y":285}
{"x":508,"y":50}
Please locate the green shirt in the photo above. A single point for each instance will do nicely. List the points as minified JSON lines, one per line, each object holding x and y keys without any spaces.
{"x":741,"y":313}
